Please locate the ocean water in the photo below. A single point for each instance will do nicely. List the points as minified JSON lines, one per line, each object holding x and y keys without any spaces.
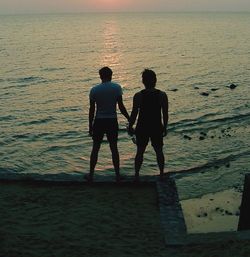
{"x":50,"y":62}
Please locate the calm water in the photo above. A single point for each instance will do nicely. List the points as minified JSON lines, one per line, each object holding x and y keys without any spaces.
{"x":50,"y":62}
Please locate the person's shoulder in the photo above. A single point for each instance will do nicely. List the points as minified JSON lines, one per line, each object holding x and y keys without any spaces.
{"x":95,"y":86}
{"x":116,"y":85}
{"x":137,"y":95}
{"x":94,"y":90}
{"x":117,"y":89}
{"x":163,"y":97}
{"x":162,"y":93}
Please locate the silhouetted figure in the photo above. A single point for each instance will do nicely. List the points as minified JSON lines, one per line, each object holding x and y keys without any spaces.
{"x":103,"y":119}
{"x":152,"y":106}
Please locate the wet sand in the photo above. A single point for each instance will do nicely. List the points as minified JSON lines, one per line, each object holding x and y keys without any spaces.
{"x":217,"y":212}
{"x":83,"y":220}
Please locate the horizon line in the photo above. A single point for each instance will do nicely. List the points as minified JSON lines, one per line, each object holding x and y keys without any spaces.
{"x":118,"y":12}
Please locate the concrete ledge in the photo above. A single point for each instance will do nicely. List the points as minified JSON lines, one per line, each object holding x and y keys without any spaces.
{"x":172,"y":218}
{"x":171,"y":213}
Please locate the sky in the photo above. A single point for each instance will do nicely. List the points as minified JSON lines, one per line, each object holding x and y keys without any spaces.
{"x":54,"y":6}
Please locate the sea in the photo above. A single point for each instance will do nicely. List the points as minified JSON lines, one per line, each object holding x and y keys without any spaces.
{"x":49,"y":63}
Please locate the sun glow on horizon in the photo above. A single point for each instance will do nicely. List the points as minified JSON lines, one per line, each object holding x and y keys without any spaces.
{"x":111,"y":4}
{"x":64,"y":6}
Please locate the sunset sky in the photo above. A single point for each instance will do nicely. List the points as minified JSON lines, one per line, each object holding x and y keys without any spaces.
{"x":41,"y":6}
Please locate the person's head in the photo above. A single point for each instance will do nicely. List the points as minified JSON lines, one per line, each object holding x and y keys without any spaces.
{"x":105,"y":74}
{"x":149,"y":78}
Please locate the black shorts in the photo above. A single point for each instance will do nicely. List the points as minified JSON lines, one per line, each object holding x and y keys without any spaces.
{"x":156,"y":139}
{"x":105,"y":126}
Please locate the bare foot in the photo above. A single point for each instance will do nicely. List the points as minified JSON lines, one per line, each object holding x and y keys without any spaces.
{"x":119,"y":178}
{"x":136,"y":179}
{"x":88,"y":178}
{"x":164,"y":176}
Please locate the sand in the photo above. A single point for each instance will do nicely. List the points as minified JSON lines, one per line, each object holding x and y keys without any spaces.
{"x":218,"y":212}
{"x":82,"y":220}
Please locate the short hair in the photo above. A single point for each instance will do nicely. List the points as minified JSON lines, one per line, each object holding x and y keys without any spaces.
{"x":149,"y":78}
{"x":105,"y":73}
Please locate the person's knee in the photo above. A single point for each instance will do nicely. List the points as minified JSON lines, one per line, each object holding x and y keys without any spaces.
{"x":158,"y":149}
{"x":96,"y":146}
{"x":113,"y":147}
{"x":140,"y":151}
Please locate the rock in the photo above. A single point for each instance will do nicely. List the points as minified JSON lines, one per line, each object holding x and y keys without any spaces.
{"x":204,"y":94}
{"x":232,"y":86}
{"x":174,"y":90}
{"x":203,"y":133}
{"x":211,"y":199}
{"x":187,"y":137}
{"x":201,"y":138}
{"x":212,"y":136}
{"x":228,"y":212}
{"x":215,"y":89}
{"x":228,"y":165}
{"x":196,"y":88}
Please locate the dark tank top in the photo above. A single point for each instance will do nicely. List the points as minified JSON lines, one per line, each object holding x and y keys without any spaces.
{"x":149,"y":120}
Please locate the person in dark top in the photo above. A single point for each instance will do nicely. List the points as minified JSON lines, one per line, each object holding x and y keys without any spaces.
{"x":151,"y":107}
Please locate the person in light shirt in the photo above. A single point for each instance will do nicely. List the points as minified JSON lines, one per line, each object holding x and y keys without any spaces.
{"x":104,"y":99}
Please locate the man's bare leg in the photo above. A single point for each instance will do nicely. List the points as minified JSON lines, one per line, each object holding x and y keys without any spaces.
{"x":93,"y":160}
{"x":115,"y":159}
{"x":160,"y":160}
{"x":138,"y":161}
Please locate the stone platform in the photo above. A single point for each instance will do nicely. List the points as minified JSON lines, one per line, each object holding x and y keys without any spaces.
{"x":172,"y":219}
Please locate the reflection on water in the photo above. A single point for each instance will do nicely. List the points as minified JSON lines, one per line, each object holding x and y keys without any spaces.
{"x":112,"y":47}
{"x":49,"y":63}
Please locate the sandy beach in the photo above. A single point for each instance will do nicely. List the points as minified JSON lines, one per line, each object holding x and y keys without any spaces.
{"x":218,"y":212}
{"x":90,"y":220}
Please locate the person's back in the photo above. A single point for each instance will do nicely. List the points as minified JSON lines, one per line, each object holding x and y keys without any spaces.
{"x":105,"y":95}
{"x":149,"y":119}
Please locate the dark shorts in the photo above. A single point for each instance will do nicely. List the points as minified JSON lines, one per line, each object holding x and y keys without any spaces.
{"x":105,"y":126}
{"x":156,"y":139}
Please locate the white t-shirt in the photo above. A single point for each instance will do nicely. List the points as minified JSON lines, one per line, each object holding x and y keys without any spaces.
{"x":106,"y":95}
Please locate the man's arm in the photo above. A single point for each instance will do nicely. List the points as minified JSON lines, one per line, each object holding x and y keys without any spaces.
{"x":134,"y":113}
{"x":91,"y":115}
{"x":164,"y":105}
{"x":122,"y":108}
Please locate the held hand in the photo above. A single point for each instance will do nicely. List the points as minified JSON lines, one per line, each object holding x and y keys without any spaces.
{"x":130,"y":131}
